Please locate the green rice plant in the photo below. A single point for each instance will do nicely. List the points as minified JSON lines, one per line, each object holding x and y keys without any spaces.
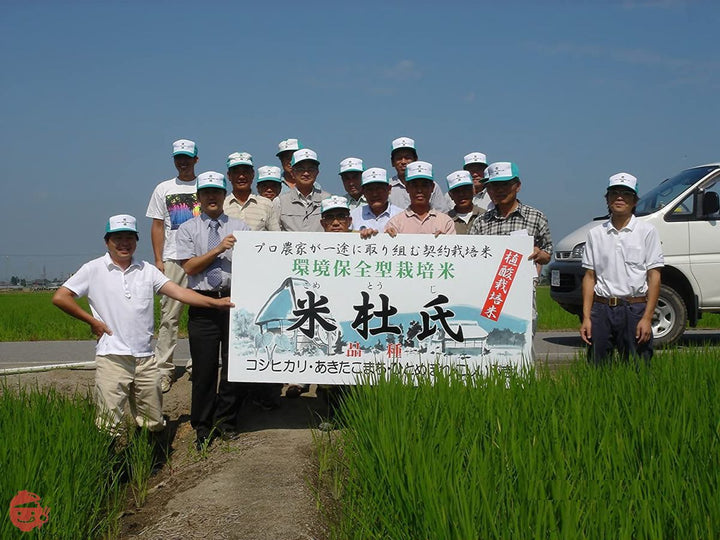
{"x":51,"y":447}
{"x":620,"y":452}
{"x":139,"y":462}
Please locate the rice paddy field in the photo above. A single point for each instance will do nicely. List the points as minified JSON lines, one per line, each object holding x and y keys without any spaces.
{"x":51,"y":447}
{"x":623,"y":452}
{"x":31,"y":316}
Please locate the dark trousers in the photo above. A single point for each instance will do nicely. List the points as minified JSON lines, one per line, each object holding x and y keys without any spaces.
{"x":615,"y":327}
{"x":212,"y":405}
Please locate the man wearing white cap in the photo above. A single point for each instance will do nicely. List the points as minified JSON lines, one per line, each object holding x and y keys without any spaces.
{"x":257,"y":212}
{"x":476,"y":164}
{"x":420,"y":217}
{"x":351,"y":174}
{"x":402,"y":153}
{"x":286,"y":148}
{"x":269,"y":183}
{"x":299,"y":208}
{"x":622,"y":261}
{"x":205,"y":248}
{"x":335,"y":214}
{"x":120,"y":291}
{"x":372,"y":217}
{"x":460,"y":190}
{"x":510,"y":216}
{"x":172,"y":203}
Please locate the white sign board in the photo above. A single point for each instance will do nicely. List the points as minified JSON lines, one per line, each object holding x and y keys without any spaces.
{"x":329,"y":308}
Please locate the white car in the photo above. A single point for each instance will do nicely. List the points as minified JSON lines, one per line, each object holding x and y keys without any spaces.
{"x":684,"y":209}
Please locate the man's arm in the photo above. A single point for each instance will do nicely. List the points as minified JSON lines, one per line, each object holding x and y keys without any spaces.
{"x":644,"y":326}
{"x":64,"y":298}
{"x":192,"y":298}
{"x":195,"y":265}
{"x":157,"y":237}
{"x":588,"y":294}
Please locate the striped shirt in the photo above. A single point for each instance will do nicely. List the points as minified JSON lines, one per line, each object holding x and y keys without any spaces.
{"x":258,"y":212}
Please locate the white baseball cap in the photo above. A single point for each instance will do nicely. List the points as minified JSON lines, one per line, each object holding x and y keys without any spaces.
{"x":375,"y":175}
{"x":459,"y":178}
{"x":623,"y":179}
{"x":211,"y":179}
{"x":304,"y":154}
{"x":239,"y":158}
{"x":475,"y":157}
{"x":501,"y":171}
{"x":289,"y":144}
{"x":351,"y":164}
{"x":403,"y":142}
{"x":418,"y":169}
{"x":332,"y":203}
{"x":121,"y":222}
{"x":269,"y":172}
{"x":184,"y":147}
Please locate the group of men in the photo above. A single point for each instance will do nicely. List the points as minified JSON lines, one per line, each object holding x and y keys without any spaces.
{"x":193,"y":219}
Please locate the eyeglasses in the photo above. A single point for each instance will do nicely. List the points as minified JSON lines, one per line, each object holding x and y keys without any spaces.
{"x":332,"y":217}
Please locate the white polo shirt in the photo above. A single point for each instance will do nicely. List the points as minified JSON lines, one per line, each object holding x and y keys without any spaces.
{"x":621,"y":258}
{"x":123,"y":300}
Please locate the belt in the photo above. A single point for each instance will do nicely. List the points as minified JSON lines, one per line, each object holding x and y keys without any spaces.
{"x":222,"y":293}
{"x":618,"y":300}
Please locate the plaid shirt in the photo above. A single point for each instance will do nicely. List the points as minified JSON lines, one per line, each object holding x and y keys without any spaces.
{"x":523,"y":217}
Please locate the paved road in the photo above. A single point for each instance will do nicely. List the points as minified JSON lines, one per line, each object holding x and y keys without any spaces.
{"x":550,"y":347}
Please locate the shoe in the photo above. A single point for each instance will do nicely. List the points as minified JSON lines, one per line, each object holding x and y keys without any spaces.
{"x":293,"y":391}
{"x":166,"y":383}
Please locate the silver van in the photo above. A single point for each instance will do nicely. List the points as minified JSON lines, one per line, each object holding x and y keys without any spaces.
{"x":684,"y":209}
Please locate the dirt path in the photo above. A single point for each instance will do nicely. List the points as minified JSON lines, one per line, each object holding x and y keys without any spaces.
{"x":256,"y":487}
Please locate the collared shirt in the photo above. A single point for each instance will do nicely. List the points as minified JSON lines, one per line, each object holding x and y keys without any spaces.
{"x":400,"y":198}
{"x":123,"y":300}
{"x":355,"y":203}
{"x":192,"y":240}
{"x":174,"y":201}
{"x":523,"y":218}
{"x":298,"y":212}
{"x":258,"y":212}
{"x":621,"y":258}
{"x":463,"y":222}
{"x":364,"y":218}
{"x":408,"y":222}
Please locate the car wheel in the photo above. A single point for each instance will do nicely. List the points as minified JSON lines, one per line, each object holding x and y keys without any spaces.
{"x":670,"y":317}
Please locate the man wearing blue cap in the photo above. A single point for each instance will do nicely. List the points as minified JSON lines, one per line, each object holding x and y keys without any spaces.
{"x":120,"y":291}
{"x":461,"y":192}
{"x":205,"y":249}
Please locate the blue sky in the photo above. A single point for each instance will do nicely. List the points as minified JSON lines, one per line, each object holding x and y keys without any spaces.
{"x":93,"y":94}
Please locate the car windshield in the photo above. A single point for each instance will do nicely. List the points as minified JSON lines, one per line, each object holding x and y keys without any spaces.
{"x":669,"y":189}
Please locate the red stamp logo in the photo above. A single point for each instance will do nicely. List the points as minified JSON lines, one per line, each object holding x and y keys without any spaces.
{"x":501,"y":285}
{"x":26,"y":512}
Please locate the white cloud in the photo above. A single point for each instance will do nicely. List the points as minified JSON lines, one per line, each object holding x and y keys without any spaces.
{"x":404,"y":70}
